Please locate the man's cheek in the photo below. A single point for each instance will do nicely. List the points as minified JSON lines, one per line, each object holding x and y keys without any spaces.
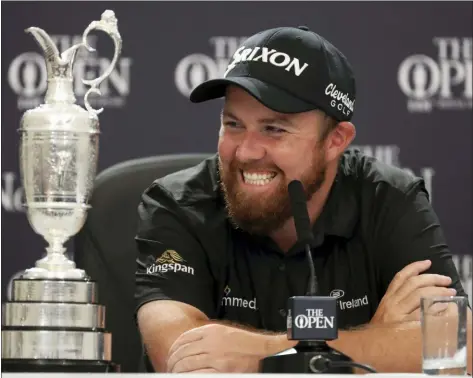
{"x":223,"y":155}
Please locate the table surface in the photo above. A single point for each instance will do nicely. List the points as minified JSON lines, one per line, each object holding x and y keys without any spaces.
{"x":141,"y":375}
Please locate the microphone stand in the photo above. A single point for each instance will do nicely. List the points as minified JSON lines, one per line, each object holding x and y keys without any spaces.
{"x":309,"y":356}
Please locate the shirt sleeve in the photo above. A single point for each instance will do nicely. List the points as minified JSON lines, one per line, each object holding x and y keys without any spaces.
{"x":411,"y":232}
{"x":171,"y":263}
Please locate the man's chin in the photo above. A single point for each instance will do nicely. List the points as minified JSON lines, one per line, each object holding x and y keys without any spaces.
{"x":257,"y":216}
{"x":253,"y":225}
{"x":257,"y":209}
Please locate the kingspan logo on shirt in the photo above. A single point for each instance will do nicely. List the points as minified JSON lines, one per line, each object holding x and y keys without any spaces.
{"x":170,"y":261}
{"x":230,"y":301}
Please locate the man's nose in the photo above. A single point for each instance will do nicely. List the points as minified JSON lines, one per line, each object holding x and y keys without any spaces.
{"x":250,"y":148}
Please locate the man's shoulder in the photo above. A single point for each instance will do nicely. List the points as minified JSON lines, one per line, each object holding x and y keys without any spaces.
{"x":188,"y":187}
{"x":372,"y":177}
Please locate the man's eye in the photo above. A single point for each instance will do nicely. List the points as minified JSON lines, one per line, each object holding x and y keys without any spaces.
{"x":274,"y":129}
{"x":231,"y":124}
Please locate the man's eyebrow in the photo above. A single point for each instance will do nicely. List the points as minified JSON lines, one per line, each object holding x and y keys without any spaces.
{"x":283,"y":120}
{"x":226,"y":113}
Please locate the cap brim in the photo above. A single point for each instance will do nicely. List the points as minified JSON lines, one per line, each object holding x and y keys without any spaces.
{"x":270,"y":96}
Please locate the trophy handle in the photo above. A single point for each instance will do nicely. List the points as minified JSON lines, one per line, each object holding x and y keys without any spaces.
{"x":108,"y":24}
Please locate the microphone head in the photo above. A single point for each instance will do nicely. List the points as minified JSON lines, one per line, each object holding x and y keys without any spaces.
{"x":298,"y":200}
{"x":296,"y":190}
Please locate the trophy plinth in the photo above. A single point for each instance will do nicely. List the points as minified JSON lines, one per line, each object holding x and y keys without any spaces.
{"x":55,"y":326}
{"x":53,"y":321}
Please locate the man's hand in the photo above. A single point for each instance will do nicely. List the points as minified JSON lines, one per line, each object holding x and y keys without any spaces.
{"x":401,"y":301}
{"x":216,"y":348}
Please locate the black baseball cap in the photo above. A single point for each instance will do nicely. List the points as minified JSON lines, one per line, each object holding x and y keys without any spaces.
{"x":289,"y":70}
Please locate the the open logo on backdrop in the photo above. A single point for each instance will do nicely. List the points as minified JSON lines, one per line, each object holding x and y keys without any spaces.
{"x":441,"y":82}
{"x":196,"y":68}
{"x":27,"y":75}
{"x":12,"y":193}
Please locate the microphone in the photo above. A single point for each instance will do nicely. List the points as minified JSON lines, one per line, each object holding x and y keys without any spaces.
{"x":311,"y":319}
{"x":300,"y":214}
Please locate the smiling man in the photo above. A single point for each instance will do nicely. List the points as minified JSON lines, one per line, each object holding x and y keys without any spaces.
{"x":218,"y":252}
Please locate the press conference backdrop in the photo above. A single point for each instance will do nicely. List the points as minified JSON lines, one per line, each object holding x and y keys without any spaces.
{"x":413,"y":64}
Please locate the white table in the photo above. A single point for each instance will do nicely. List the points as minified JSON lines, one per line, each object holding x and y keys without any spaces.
{"x":144,"y":375}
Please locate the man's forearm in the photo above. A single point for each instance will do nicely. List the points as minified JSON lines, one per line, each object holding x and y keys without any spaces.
{"x":175,"y":322}
{"x":158,"y":333}
{"x":264,"y":343}
{"x":255,"y":342}
{"x":390,"y":347}
{"x":386,"y":348}
{"x":274,"y":343}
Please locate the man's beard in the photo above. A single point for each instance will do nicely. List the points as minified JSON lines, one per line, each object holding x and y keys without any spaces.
{"x":262,"y":215}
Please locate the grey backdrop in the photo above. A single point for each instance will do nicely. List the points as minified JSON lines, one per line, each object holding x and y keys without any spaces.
{"x":413,"y":63}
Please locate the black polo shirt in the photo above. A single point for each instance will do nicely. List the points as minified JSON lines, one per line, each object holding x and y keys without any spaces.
{"x":377,"y":220}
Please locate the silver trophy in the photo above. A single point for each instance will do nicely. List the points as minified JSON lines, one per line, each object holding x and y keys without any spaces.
{"x":53,"y":321}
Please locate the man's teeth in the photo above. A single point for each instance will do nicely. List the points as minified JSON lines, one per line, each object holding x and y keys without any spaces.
{"x":258,"y":178}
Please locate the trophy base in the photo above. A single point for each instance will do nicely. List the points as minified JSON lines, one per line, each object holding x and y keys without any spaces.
{"x":54,"y":290}
{"x":55,"y":344}
{"x":55,"y":325}
{"x":57,"y":366}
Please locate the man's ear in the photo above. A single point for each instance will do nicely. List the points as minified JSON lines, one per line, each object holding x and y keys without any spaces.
{"x":339,"y":139}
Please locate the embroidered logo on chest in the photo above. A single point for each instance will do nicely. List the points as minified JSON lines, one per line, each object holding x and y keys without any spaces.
{"x":229,"y":300}
{"x":348,"y":303}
